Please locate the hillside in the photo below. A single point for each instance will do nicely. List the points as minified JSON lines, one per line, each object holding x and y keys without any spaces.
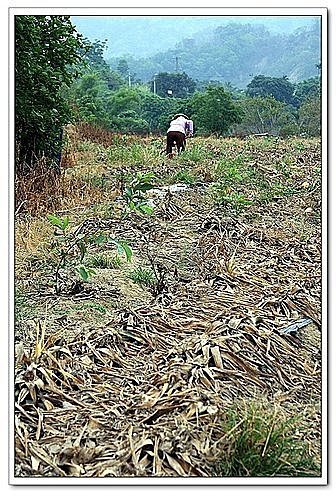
{"x":144,"y":35}
{"x":235,"y":52}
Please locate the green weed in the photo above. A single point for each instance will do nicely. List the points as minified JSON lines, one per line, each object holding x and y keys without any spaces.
{"x":264,"y":441}
{"x":105,"y":261}
{"x":195,"y":154}
{"x":69,"y":247}
{"x":222,"y":196}
{"x":184,"y":175}
{"x":91,"y":306}
{"x":142,"y":276}
{"x":270,"y":192}
{"x":134,"y":193}
{"x":97,"y":181}
{"x":229,"y":171}
{"x":134,"y":154}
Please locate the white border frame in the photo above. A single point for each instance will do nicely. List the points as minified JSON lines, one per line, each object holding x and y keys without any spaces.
{"x":173,"y":11}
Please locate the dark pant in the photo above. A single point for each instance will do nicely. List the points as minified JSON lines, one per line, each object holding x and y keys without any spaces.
{"x":177,"y":138}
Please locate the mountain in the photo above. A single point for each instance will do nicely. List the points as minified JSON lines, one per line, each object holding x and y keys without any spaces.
{"x":143,"y":36}
{"x":235,"y":53}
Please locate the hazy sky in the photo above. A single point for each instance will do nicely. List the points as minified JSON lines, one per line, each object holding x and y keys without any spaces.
{"x":146,"y":35}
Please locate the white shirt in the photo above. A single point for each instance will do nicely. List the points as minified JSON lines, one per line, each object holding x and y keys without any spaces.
{"x":178,"y":125}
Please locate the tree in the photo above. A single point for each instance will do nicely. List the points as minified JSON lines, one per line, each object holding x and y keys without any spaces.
{"x":124,"y":108}
{"x":310,"y":117}
{"x":156,"y":109}
{"x":93,"y":53}
{"x":89,"y":95}
{"x":308,"y":89}
{"x":214,"y":111}
{"x":123,"y":68}
{"x":266,"y":86}
{"x":46,"y":52}
{"x":266,"y":115}
{"x":180,"y":84}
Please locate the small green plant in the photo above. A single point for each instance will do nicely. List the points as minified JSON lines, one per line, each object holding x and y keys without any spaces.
{"x":264,"y":441}
{"x":134,"y":193}
{"x":270,"y":192}
{"x":195,"y":154}
{"x":105,"y":261}
{"x":184,"y":175}
{"x":98,"y":181}
{"x":229,"y":172}
{"x":70,"y":246}
{"x":222,"y":196}
{"x":91,"y":306}
{"x":142,"y":276}
{"x":133,"y":154}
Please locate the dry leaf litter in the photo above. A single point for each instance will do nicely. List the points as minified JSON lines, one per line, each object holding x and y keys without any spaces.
{"x":144,"y":391}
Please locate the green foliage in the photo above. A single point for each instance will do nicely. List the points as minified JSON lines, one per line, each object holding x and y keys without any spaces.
{"x":124,"y":110}
{"x":184,"y":175}
{"x":266,"y":86}
{"x":89,"y":95}
{"x":94,"y":62}
{"x":308,"y":89}
{"x":134,"y":154}
{"x":214,"y":111}
{"x":59,"y":222}
{"x":70,"y":247}
{"x":180,"y":84}
{"x":142,"y":276}
{"x":224,"y":197}
{"x":195,"y":153}
{"x":123,"y":68}
{"x":85,"y":273}
{"x":157,"y":111}
{"x":105,"y":261}
{"x":134,"y":193}
{"x":265,"y":115}
{"x":46,"y":54}
{"x":261,"y":442}
{"x":310,"y":117}
{"x":229,"y":171}
{"x":235,"y":51}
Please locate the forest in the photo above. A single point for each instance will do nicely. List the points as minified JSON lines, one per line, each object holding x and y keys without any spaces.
{"x":167,"y":307}
{"x":234,"y":52}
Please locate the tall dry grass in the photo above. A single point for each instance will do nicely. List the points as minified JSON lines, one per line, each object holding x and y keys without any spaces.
{"x":81,"y":181}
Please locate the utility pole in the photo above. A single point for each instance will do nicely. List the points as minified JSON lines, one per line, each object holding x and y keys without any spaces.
{"x":154,"y":85}
{"x":176,"y":59}
{"x":129,"y":79}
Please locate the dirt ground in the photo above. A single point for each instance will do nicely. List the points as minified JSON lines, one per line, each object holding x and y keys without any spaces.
{"x":126,"y":379}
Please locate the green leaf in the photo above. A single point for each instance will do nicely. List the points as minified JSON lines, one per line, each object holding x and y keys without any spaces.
{"x":61,"y":223}
{"x":143,"y":186}
{"x":128,"y":192}
{"x":90,"y":272}
{"x":65,"y":222}
{"x":101,"y":238}
{"x":124,"y":248}
{"x":82,"y":248}
{"x":146,"y":209}
{"x":83,"y":273}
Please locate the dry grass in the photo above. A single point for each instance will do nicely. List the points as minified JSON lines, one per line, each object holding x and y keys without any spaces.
{"x":117,"y":381}
{"x":32,"y":242}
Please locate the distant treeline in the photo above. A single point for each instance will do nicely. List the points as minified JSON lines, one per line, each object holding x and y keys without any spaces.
{"x":116,"y":100}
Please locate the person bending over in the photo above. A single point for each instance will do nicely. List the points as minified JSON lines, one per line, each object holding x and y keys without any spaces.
{"x":180,"y":128}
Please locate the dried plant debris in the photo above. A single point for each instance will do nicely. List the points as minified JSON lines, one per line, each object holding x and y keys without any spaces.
{"x":128,"y":379}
